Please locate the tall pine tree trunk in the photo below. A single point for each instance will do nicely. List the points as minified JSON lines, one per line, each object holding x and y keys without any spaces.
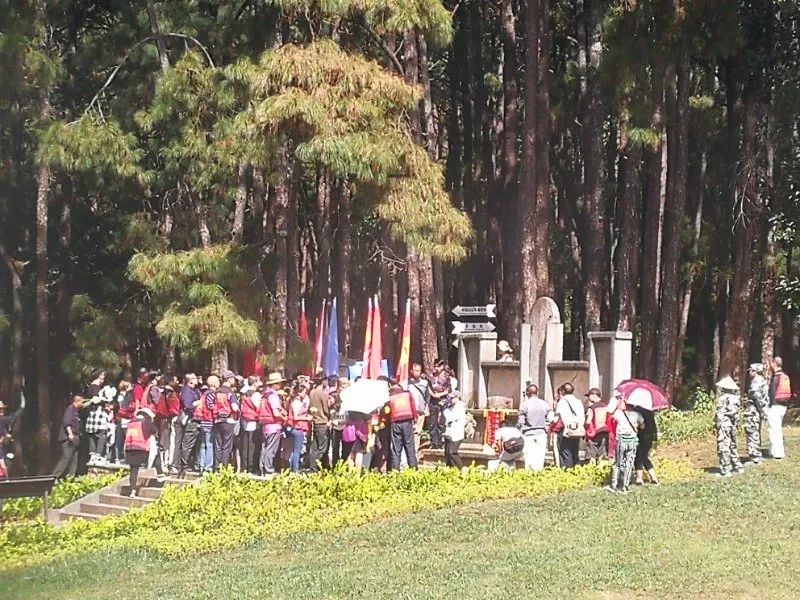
{"x":544,"y":286}
{"x":345,"y":250}
{"x":595,"y":254}
{"x":280,"y":293}
{"x":237,"y":229}
{"x":42,"y":317}
{"x":630,"y":196}
{"x":292,"y":253}
{"x":749,"y":229}
{"x":669,"y":320}
{"x":434,"y":306}
{"x":651,"y":254}
{"x":527,"y":222}
{"x":62,"y":336}
{"x":686,"y":303}
{"x":15,"y":318}
{"x":510,"y":296}
{"x":420,"y":269}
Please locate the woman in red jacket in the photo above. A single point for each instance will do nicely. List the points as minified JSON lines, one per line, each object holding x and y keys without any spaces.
{"x":140,"y":444}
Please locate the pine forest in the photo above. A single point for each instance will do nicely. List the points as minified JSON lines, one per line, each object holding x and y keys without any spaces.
{"x":179,"y":177}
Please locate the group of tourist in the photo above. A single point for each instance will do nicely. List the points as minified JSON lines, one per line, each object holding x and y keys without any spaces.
{"x":262,"y":425}
{"x":256,"y":425}
{"x":766,"y":403}
{"x":609,"y":430}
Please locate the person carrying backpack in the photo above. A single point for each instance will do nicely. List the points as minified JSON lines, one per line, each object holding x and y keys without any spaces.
{"x":509,"y":444}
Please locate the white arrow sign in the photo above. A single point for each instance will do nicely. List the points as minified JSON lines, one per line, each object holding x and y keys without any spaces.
{"x":476,"y":311}
{"x":459,"y":327}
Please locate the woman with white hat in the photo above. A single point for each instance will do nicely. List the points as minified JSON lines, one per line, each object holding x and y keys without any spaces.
{"x":728,"y":404}
{"x":140,"y":441}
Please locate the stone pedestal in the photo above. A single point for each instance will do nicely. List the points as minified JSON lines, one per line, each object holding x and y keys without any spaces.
{"x":502,"y":381}
{"x":610,"y":358}
{"x":473,"y":350}
{"x":575,"y":372}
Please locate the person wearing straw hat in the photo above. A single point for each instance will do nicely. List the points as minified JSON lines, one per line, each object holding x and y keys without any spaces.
{"x":728,"y":404}
{"x":755,"y":412}
{"x":271,"y":416}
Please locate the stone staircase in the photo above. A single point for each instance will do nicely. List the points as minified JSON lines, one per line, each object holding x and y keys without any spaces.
{"x":115,"y":499}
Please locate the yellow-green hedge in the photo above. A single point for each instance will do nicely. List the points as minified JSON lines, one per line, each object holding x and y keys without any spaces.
{"x":225,"y":510}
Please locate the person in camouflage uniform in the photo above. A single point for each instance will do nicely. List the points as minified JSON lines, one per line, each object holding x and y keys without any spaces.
{"x":755,"y":412}
{"x":728,"y":404}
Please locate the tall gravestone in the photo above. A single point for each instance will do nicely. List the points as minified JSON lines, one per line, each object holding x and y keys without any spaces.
{"x":546,"y":344}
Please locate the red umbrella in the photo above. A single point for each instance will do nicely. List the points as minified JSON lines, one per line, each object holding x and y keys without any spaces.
{"x":643,"y":393}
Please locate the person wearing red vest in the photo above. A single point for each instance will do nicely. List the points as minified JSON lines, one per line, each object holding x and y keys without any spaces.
{"x":167,"y":407}
{"x":596,"y":431}
{"x":271,"y":417}
{"x":140,"y":446}
{"x":250,"y":438}
{"x":780,"y":395}
{"x":403,"y":414}
{"x":226,"y":416}
{"x":140,"y":389}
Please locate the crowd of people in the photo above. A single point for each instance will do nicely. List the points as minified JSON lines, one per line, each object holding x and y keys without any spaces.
{"x":608,"y":431}
{"x":258,"y":425}
{"x":262,"y":425}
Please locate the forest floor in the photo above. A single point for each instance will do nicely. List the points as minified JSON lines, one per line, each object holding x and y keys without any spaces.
{"x":710,"y":538}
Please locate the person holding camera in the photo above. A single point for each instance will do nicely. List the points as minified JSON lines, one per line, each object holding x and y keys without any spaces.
{"x":571,"y":414}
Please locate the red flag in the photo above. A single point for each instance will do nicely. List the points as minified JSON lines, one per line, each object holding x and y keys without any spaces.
{"x":318,"y":349}
{"x":376,"y":346}
{"x":303,"y":328}
{"x":405,"y":348}
{"x":367,"y":342}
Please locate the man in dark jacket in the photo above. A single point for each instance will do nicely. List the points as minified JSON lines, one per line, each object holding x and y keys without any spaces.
{"x":69,"y":436}
{"x":185,"y":428}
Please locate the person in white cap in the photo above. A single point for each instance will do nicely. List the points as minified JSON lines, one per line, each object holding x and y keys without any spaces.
{"x":756,"y":410}
{"x":727,"y":415}
{"x":506,"y":353}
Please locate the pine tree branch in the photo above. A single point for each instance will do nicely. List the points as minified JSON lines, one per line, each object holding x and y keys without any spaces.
{"x":149,"y":38}
{"x":388,"y":51}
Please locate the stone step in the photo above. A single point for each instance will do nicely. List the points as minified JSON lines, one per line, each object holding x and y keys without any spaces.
{"x":144,"y":492}
{"x":125,"y":501}
{"x":71,"y":516}
{"x":102,"y":509}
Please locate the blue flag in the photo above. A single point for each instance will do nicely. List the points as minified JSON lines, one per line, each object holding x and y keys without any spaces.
{"x":331,"y":364}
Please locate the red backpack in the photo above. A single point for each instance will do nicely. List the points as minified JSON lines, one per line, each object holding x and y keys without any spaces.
{"x":222,"y":405}
{"x":134,"y":437}
{"x":168,"y":405}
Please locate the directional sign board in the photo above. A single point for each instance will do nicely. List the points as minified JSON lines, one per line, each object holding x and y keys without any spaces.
{"x":460,"y":327}
{"x":487,"y":311}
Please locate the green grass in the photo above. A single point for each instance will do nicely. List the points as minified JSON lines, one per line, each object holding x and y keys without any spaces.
{"x":709,"y":539}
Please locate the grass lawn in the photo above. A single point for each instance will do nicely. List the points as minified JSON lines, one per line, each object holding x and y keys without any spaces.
{"x":709,"y":539}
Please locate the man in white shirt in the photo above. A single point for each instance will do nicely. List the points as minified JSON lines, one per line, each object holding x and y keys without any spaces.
{"x":571,"y":412}
{"x":509,"y":443}
{"x":533,"y":424}
{"x":455,"y":418}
